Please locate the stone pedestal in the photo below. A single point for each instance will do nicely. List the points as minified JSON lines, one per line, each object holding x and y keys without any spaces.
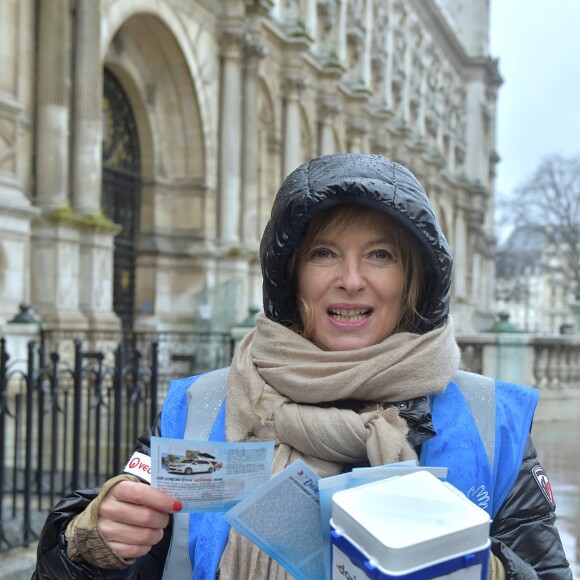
{"x":247,"y":325}
{"x":14,"y":254}
{"x":575,"y":307}
{"x":96,"y":278}
{"x":54,"y":290}
{"x":72,"y":271}
{"x":510,"y":358}
{"x":462,"y":313}
{"x":17,"y":338}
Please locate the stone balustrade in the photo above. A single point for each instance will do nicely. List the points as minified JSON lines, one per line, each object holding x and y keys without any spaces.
{"x":548,"y":363}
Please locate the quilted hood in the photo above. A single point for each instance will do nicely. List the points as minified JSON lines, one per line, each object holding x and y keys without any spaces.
{"x":353,"y":178}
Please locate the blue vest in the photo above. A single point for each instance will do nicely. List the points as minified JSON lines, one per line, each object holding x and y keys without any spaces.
{"x":480,"y":440}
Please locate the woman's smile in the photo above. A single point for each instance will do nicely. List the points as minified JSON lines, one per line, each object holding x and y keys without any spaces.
{"x":349,"y":315}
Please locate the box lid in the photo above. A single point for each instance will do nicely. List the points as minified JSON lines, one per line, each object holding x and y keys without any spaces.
{"x":410,"y":521}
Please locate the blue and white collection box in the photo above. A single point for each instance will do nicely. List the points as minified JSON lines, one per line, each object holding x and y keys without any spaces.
{"x":412,"y":527}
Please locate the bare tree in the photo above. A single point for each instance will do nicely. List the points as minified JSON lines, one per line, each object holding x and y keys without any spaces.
{"x":550,"y":201}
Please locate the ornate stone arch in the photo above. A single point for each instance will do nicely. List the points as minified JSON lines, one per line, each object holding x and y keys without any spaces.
{"x":166,"y":29}
{"x":172,"y":135}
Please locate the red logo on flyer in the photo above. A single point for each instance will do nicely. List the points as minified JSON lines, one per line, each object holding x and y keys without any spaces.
{"x":544,"y":484}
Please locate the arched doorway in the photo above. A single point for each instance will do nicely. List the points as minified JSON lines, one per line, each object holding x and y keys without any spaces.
{"x":120,"y":193}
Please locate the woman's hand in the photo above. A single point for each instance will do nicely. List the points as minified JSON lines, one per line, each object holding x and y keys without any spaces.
{"x":132,"y":517}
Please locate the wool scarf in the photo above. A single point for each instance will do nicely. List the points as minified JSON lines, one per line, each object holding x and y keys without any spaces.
{"x":281,"y":387}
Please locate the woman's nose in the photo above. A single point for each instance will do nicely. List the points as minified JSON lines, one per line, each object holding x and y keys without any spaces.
{"x":352,"y":276}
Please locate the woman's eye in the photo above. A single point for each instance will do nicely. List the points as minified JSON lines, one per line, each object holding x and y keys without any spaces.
{"x":320,"y":254}
{"x":383,"y":255}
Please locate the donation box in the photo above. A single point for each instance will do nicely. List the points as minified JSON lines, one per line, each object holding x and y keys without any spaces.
{"x":411,"y":527}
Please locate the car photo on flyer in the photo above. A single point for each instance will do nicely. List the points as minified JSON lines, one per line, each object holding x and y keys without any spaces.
{"x":193,"y":462}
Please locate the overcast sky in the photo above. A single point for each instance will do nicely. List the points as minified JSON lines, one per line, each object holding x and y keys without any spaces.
{"x":538,"y":44}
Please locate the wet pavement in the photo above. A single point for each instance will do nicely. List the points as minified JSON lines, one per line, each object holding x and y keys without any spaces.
{"x":558,"y":446}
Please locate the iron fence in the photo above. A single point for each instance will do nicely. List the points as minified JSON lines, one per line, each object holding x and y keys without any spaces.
{"x":69,"y":418}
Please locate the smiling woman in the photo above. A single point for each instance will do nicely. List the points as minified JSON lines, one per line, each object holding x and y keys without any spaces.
{"x":353,"y":363}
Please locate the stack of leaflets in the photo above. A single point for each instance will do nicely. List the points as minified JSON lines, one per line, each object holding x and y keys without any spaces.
{"x":287,"y":516}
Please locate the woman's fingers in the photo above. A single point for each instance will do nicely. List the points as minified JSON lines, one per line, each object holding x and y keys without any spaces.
{"x":129,"y":541}
{"x":132,"y":517}
{"x":132,"y":514}
{"x":128,"y":551}
{"x":141,"y":494}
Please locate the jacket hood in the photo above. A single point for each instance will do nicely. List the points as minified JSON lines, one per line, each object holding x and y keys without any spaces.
{"x":364,"y":179}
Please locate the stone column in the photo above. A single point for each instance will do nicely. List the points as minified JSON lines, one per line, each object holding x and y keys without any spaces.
{"x":52,"y":151}
{"x":390,"y":49}
{"x":230,"y":137}
{"x":311,"y":19}
{"x":292,"y":156}
{"x":87,"y":127}
{"x":358,"y":130}
{"x":408,"y":67}
{"x":341,"y":47}
{"x":97,"y":240}
{"x":422,"y":100}
{"x":327,"y":111}
{"x":459,"y":256}
{"x":357,"y":124}
{"x":475,"y":158}
{"x":254,"y":51}
{"x":55,"y":251}
{"x":366,"y":72}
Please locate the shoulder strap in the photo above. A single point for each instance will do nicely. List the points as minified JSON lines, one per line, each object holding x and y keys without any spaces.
{"x":206,"y":393}
{"x":205,"y":398}
{"x":479,"y":391}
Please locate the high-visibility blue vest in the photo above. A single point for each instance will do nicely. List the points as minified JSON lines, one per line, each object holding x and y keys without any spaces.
{"x":482,"y":427}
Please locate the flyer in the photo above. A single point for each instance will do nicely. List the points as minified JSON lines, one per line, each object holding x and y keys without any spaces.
{"x":207,"y":476}
{"x":283,"y":519}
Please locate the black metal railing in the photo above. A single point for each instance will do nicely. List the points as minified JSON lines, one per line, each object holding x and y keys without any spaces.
{"x":70,"y":415}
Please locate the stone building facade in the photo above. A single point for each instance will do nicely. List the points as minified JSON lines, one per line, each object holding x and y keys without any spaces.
{"x":534,"y":284}
{"x":142,"y":142}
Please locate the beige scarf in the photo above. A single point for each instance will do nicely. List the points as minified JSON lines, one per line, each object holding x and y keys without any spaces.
{"x":278,"y":378}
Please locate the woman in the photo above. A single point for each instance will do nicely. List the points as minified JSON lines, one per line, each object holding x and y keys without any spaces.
{"x":353,"y":363}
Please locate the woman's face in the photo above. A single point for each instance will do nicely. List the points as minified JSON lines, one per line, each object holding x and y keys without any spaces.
{"x":353,"y":282}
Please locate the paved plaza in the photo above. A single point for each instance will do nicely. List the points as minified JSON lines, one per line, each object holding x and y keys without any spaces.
{"x":558,"y":445}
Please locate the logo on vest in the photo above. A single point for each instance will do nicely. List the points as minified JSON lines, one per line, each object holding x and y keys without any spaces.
{"x":139,"y":465}
{"x":544,"y":484}
{"x":479,"y":496}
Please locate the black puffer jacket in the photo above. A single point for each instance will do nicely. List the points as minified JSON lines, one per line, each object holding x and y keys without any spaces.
{"x":523,"y":534}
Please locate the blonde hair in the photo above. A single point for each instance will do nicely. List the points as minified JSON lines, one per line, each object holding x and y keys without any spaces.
{"x":338,"y":218}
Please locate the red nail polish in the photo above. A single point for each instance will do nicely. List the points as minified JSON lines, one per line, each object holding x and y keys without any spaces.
{"x":177,"y":506}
